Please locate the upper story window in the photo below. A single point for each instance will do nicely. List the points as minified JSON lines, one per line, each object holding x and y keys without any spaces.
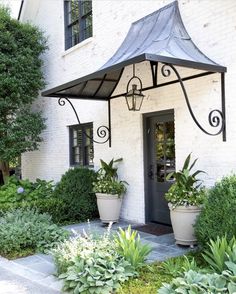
{"x":78,"y":21}
{"x":81,"y":144}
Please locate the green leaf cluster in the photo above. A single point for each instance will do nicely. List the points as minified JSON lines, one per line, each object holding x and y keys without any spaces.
{"x":75,"y":190}
{"x":219,"y":252}
{"x":38,"y":195}
{"x":21,"y":79}
{"x":56,"y":208}
{"x":185,"y":190}
{"x":201,"y":283}
{"x":178,"y":265}
{"x":129,"y":245}
{"x":17,"y":190}
{"x":217,"y":217}
{"x":107,"y":179}
{"x":28,"y":229}
{"x":90,"y":264}
{"x":108,"y":170}
{"x":113,"y":187}
{"x":219,"y":275}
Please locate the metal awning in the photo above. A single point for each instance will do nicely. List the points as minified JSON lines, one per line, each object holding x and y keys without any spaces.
{"x":157,"y":37}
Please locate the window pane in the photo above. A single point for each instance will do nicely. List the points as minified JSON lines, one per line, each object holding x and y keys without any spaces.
{"x":82,"y":152}
{"x":86,"y":7}
{"x":75,"y":34}
{"x":88,"y":27}
{"x":89,"y":146}
{"x":165,"y":150}
{"x":160,"y":132}
{"x":78,"y":21}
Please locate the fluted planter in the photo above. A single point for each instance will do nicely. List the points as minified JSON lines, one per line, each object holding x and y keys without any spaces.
{"x":183,"y":219}
{"x":109,"y":207}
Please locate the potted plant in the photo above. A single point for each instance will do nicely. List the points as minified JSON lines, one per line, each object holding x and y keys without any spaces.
{"x":109,"y":191}
{"x":185,"y":198}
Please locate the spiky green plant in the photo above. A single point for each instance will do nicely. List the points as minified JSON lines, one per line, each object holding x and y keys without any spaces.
{"x":220,"y":251}
{"x":129,"y":245}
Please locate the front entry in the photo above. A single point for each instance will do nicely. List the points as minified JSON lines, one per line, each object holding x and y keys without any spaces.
{"x":159,"y":162}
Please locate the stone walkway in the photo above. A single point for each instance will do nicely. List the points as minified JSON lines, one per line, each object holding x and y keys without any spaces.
{"x":35,"y":274}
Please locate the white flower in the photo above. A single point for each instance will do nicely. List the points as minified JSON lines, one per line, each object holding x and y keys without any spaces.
{"x":20,"y":190}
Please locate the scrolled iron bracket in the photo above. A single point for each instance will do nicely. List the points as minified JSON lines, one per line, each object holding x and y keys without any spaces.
{"x":103,"y":132}
{"x":216,"y":117}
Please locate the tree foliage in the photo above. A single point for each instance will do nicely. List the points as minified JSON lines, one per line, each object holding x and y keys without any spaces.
{"x":21,"y":79}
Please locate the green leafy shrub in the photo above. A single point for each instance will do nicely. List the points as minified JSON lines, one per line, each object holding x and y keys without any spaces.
{"x":75,"y":189}
{"x":53,"y":206}
{"x":130,"y":247}
{"x":218,"y":214}
{"x":21,"y":229}
{"x":25,"y":194}
{"x":23,"y":190}
{"x":91,"y":265}
{"x":219,"y":252}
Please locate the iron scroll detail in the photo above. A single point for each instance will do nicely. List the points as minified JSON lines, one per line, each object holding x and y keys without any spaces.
{"x":215,"y":116}
{"x":103,"y":132}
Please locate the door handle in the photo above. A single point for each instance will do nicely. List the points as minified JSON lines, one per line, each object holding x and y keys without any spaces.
{"x":150,"y":172}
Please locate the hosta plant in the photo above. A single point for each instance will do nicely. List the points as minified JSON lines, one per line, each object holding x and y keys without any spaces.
{"x":97,"y":272}
{"x":92,"y":264}
{"x":200,"y":283}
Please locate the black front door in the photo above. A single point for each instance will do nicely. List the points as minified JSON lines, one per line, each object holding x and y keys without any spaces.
{"x":159,"y":162}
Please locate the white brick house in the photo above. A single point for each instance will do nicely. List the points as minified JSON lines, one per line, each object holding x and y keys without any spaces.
{"x":211,"y":25}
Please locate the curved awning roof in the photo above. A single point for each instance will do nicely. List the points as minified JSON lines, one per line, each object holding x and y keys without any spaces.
{"x":157,"y":37}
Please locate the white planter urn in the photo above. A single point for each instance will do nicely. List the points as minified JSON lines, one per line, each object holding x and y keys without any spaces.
{"x":183,"y":218}
{"x":109,"y":207}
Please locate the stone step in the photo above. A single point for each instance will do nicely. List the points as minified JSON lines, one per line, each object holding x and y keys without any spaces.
{"x":33,"y":275}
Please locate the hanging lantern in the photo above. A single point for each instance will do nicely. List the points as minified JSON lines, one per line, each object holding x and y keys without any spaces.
{"x":134,"y":96}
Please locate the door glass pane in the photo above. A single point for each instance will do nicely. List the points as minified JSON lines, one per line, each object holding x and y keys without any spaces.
{"x":165,"y":150}
{"x":160,"y":132}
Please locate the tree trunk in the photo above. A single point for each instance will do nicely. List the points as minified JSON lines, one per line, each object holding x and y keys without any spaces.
{"x":4,"y":167}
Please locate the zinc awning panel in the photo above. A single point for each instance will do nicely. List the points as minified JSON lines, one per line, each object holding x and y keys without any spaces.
{"x":160,"y":37}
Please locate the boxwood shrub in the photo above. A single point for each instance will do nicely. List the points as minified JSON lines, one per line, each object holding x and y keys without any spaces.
{"x":75,"y":190}
{"x":218,"y":215}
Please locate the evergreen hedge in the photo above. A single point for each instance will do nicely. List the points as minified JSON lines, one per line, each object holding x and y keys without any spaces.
{"x":218,"y":217}
{"x":75,"y":190}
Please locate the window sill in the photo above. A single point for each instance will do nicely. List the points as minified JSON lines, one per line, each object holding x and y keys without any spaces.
{"x":77,"y":46}
{"x":80,"y":165}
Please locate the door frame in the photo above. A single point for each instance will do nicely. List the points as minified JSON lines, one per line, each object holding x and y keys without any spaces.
{"x":145,"y":156}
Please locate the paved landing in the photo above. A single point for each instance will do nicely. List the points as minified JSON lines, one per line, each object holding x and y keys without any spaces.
{"x":35,"y":274}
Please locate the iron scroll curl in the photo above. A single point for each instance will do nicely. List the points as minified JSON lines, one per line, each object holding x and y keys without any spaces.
{"x":103,"y":132}
{"x":215,"y":116}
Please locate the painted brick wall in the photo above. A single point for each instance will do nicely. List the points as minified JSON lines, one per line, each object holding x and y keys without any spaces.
{"x":211,"y":24}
